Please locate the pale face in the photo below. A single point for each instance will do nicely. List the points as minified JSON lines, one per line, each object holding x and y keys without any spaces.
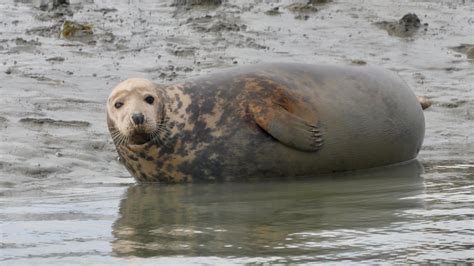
{"x":135,"y":111}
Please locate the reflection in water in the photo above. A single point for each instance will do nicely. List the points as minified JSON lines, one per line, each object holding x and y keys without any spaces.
{"x":279,"y":218}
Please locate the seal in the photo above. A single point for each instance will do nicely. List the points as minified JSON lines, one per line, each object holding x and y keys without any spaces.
{"x":267,"y":120}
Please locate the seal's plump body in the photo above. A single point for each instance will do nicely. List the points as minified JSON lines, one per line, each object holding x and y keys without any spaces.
{"x":275,"y":120}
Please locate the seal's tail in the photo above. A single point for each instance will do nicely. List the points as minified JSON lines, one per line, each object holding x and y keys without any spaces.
{"x":425,"y":103}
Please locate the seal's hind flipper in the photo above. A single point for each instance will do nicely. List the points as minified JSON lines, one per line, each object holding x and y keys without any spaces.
{"x":424,"y":101}
{"x":288,"y":128}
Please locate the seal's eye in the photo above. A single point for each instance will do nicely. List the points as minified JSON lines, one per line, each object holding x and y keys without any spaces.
{"x":118,"y":105}
{"x":149,"y":99}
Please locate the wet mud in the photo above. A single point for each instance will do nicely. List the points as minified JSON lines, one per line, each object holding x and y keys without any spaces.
{"x":64,"y":195}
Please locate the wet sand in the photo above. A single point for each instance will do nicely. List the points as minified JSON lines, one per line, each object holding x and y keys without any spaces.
{"x":60,"y":183}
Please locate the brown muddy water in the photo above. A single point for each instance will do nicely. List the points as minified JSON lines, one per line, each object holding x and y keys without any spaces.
{"x":65,"y":199}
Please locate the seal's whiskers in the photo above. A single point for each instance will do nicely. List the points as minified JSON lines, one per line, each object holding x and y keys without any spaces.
{"x":118,"y":137}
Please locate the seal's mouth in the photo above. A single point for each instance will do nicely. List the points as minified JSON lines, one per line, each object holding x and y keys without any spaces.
{"x":139,"y":138}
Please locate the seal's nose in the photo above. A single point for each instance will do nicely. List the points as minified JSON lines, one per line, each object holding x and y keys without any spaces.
{"x":138,"y":118}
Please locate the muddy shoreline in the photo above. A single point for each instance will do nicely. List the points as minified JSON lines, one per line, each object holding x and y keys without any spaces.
{"x":60,"y":181}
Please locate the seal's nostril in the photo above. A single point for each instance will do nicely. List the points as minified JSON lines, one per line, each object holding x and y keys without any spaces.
{"x":138,"y":118}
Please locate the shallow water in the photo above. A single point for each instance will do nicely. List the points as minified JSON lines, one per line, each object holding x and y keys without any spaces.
{"x":65,"y":199}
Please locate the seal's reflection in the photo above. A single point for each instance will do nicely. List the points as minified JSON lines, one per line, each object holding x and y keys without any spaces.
{"x":259,"y":218}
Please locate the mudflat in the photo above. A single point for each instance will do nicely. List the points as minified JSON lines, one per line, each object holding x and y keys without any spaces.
{"x":65,"y":198}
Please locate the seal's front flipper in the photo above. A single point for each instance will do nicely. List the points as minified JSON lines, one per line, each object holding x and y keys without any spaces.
{"x":288,"y":128}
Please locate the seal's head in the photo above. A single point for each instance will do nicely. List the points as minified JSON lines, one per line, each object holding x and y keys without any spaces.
{"x":135,"y":112}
